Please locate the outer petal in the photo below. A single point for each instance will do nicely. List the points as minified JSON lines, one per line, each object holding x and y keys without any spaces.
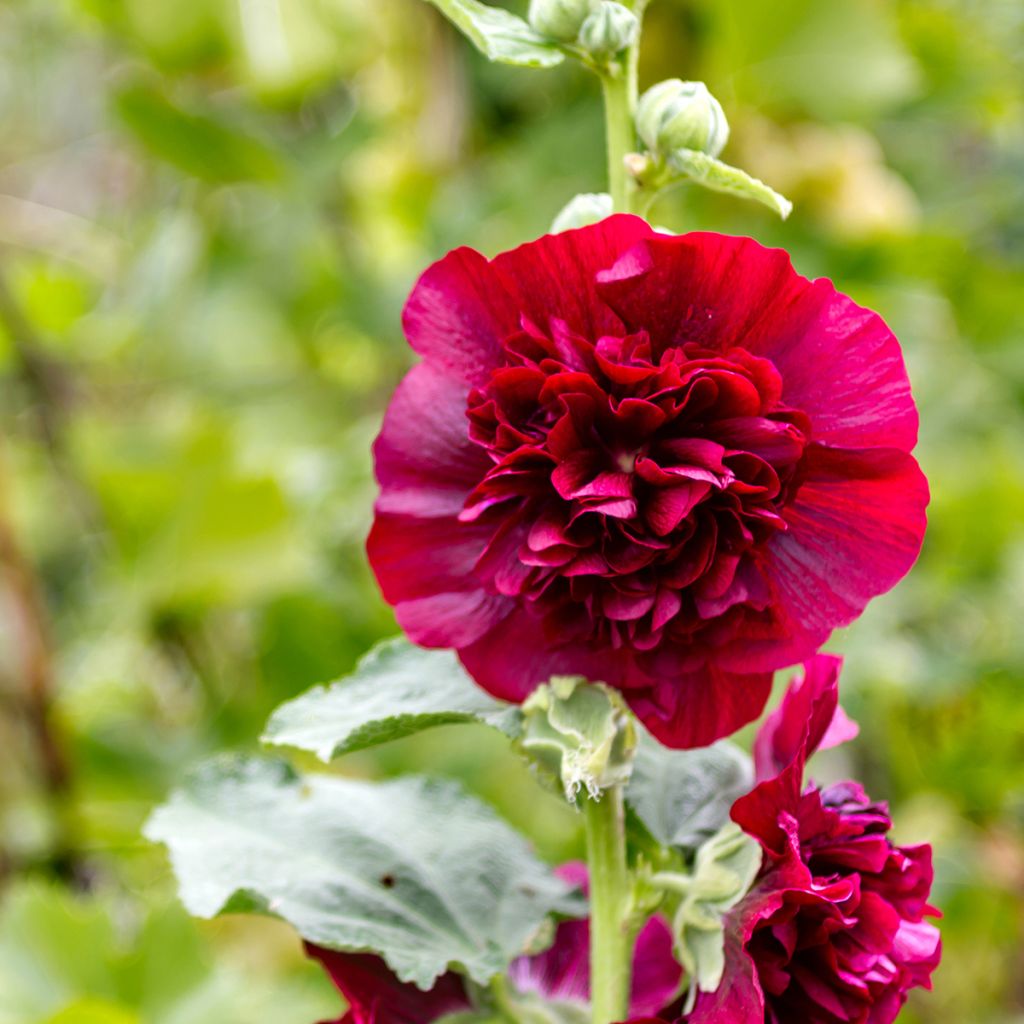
{"x":855,"y":529}
{"x":555,"y":277}
{"x":808,"y":719}
{"x":695,"y":709}
{"x":458,"y":314}
{"x":423,"y":458}
{"x":376,"y":996}
{"x":839,"y":362}
{"x":514,"y":658}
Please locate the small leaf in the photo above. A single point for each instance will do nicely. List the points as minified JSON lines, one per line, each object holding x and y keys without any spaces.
{"x":684,"y":796}
{"x":398,"y":689}
{"x":721,"y":177}
{"x":500,"y":35}
{"x":413,"y":869}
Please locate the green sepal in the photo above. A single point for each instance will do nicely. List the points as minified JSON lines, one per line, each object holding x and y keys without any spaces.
{"x":578,"y":735}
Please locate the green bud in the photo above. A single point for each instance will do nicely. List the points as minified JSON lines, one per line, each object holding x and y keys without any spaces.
{"x":681,"y":115}
{"x":609,"y":29}
{"x":723,"y":871}
{"x":559,"y":19}
{"x":586,"y":208}
{"x":578,"y":735}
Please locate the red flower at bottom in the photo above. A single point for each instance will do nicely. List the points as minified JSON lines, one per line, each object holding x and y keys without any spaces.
{"x":834,"y":930}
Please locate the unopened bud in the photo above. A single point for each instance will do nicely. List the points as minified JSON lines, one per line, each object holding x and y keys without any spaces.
{"x":586,"y":208}
{"x":578,"y":735}
{"x":609,"y":28}
{"x":681,"y":115}
{"x":559,"y":19}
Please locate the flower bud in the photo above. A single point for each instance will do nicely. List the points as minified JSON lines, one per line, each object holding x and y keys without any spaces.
{"x":681,"y":115}
{"x":559,"y":19}
{"x":609,"y":28}
{"x":578,"y":735}
{"x":586,"y":208}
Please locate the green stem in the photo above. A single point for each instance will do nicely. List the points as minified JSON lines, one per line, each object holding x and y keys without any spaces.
{"x":619,"y":85}
{"x":611,"y":932}
{"x":618,"y":117}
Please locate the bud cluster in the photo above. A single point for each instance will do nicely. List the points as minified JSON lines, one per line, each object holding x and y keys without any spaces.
{"x":601,"y":28}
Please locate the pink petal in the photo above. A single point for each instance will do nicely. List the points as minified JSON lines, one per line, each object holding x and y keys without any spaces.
{"x":458,"y":315}
{"x":423,"y":459}
{"x":854,"y":531}
{"x":698,"y":707}
{"x":376,"y":996}
{"x":554,"y":278}
{"x":839,"y":362}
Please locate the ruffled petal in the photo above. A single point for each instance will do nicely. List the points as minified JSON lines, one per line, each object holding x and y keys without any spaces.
{"x":459,"y":314}
{"x":424,"y":460}
{"x":808,"y":719}
{"x":854,"y":531}
{"x":376,"y":996}
{"x":839,"y":362}
{"x":555,"y":277}
{"x":700,"y":706}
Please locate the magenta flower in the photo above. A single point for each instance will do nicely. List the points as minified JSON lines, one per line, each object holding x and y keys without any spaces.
{"x":561,"y":973}
{"x":668,"y":463}
{"x":834,"y":930}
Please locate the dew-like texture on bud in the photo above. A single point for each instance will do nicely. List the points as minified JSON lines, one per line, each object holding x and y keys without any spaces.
{"x":559,"y":19}
{"x":609,"y":29}
{"x":681,"y":115}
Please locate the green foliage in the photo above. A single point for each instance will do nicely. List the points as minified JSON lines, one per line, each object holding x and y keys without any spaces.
{"x":220,"y":341}
{"x":397,"y":690}
{"x":500,"y":35}
{"x":70,"y":960}
{"x":413,"y":869}
{"x":683,"y":796}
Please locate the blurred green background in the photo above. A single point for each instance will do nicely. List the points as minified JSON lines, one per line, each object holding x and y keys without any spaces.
{"x":210,"y":213}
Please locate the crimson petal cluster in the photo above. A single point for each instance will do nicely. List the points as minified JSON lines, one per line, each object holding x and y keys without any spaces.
{"x":834,"y":931}
{"x":668,"y":463}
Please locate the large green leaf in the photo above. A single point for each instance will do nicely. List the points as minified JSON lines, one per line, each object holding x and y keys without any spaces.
{"x":413,"y":869}
{"x":500,"y":35}
{"x":683,"y":796}
{"x":396,"y":690}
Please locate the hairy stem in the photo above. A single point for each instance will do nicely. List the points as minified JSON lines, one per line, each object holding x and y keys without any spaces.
{"x":610,"y":928}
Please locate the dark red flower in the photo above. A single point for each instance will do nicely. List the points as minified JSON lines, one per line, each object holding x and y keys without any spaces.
{"x":669,"y":463}
{"x":561,"y":973}
{"x":834,"y":930}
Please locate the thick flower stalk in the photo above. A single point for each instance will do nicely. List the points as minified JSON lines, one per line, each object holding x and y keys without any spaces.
{"x":671,"y":464}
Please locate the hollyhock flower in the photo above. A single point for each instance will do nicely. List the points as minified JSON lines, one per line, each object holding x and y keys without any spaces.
{"x":834,"y":929}
{"x":671,"y":464}
{"x":561,"y":974}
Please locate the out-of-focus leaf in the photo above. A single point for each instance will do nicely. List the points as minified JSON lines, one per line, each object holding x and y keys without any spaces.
{"x":396,"y":690}
{"x":500,"y":35}
{"x":63,"y":961}
{"x":414,"y":869}
{"x":684,"y":796}
{"x":197,"y":144}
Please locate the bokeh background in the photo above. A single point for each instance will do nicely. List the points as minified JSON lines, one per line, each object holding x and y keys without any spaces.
{"x":210,"y":213}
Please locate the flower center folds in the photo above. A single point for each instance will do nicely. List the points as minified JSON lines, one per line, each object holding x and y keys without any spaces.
{"x":630,"y":489}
